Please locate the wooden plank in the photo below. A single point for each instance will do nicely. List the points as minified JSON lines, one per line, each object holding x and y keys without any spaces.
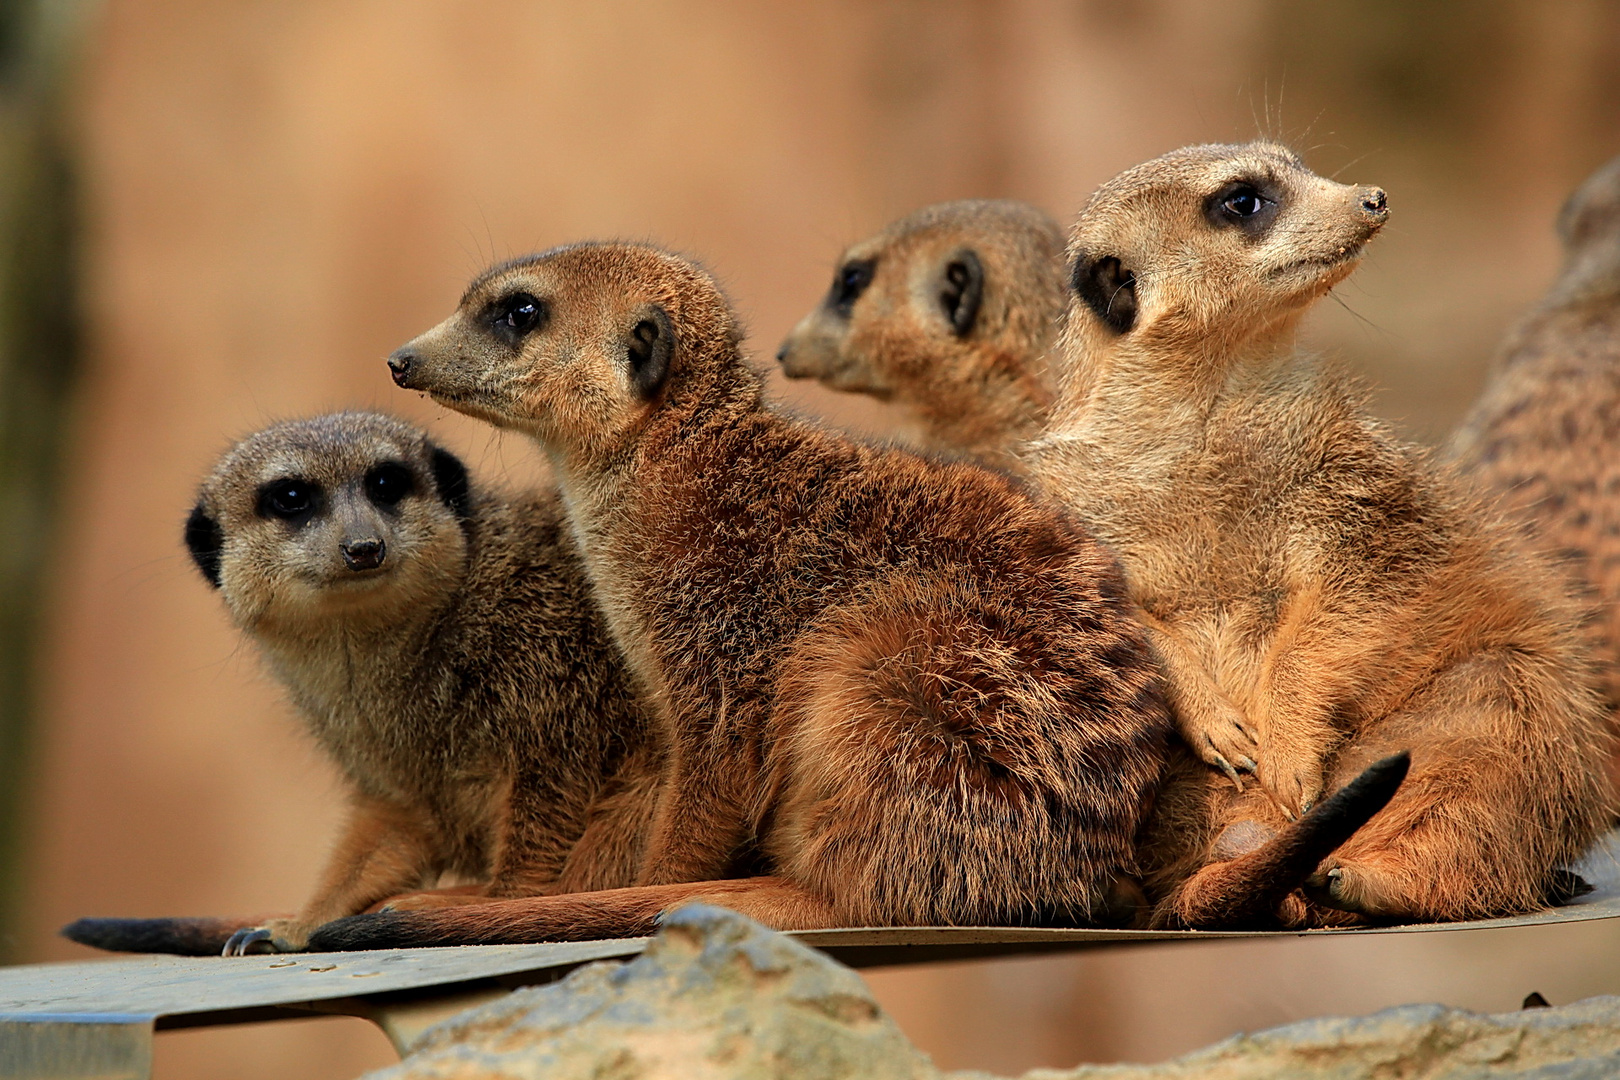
{"x":174,"y":991}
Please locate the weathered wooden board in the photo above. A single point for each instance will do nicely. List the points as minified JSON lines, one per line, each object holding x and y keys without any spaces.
{"x":101,"y":1007}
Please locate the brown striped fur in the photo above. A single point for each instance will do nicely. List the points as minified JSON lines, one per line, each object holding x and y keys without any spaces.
{"x":1545,"y":434}
{"x":913,"y":685}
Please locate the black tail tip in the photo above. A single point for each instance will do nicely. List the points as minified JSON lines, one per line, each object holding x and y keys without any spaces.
{"x":176,"y":937}
{"x":1385,"y":773}
{"x":356,"y":933}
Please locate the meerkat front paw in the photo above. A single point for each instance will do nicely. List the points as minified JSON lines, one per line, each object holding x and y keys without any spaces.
{"x":1294,"y":782}
{"x":1223,"y":739}
{"x":275,"y":936}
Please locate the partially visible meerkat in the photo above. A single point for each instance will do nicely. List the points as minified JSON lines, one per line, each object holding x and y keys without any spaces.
{"x":1546,"y":432}
{"x":912,"y":682}
{"x":1319,"y":593}
{"x":439,"y":641}
{"x":947,"y":313}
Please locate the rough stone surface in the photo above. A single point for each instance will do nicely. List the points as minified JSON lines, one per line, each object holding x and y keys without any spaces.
{"x":717,"y":996}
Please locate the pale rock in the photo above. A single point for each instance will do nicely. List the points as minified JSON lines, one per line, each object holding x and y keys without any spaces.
{"x":719,"y":997}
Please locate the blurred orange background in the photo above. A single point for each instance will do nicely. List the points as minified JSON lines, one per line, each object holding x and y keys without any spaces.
{"x":276,"y":193}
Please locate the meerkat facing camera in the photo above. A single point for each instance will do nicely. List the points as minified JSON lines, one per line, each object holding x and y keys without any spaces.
{"x":1319,"y":594}
{"x":439,"y":641}
{"x":948,"y":313}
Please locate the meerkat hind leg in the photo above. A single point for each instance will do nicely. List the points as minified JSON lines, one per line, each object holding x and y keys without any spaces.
{"x":610,"y":913}
{"x":1493,"y":810}
{"x":1263,"y":867}
{"x":935,"y":766}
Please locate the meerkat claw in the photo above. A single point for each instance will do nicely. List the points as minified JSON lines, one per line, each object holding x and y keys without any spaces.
{"x":1225,"y":766}
{"x":248,"y":940}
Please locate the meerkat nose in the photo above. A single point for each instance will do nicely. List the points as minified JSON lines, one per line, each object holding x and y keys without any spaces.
{"x":1374,"y":204}
{"x":363,"y":554}
{"x":400,"y":364}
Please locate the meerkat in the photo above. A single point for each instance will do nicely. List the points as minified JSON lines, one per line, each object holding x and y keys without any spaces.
{"x":439,"y":642}
{"x":947,"y":313}
{"x":914,"y":685}
{"x":1545,"y":434}
{"x":909,"y":683}
{"x":1318,"y":593}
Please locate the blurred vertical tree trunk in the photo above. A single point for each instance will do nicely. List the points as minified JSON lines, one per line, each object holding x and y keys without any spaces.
{"x":39,"y":364}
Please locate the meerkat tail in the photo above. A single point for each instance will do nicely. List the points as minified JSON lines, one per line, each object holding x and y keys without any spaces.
{"x":1245,"y":892}
{"x":611,"y":913}
{"x":178,"y":937}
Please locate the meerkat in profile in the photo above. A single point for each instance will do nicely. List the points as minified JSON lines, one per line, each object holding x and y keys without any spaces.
{"x":947,"y":313}
{"x":439,"y":641}
{"x":1545,"y":434}
{"x":914,"y":685}
{"x":1318,"y":593}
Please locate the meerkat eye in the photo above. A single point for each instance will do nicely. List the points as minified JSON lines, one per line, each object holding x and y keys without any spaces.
{"x":388,"y":483}
{"x":518,"y":314}
{"x":290,"y":500}
{"x":1243,"y":204}
{"x":849,"y":283}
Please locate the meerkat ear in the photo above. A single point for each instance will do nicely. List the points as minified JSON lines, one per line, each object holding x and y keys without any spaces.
{"x":1108,"y":289}
{"x":450,"y":478}
{"x":962,"y":291}
{"x":206,"y":542}
{"x":652,"y":342}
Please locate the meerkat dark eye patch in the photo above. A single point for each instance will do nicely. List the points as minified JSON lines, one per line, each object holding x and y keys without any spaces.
{"x":518,"y":315}
{"x":1107,"y":289}
{"x":206,"y":542}
{"x":651,"y":344}
{"x":1246,"y":204}
{"x":388,"y":483}
{"x":962,"y":291}
{"x":291,"y":500}
{"x":849,"y":283}
{"x":450,"y":477}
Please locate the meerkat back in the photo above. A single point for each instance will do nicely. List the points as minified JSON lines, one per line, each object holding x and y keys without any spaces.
{"x":910,"y":682}
{"x":947,"y":313}
{"x":1545,"y":434}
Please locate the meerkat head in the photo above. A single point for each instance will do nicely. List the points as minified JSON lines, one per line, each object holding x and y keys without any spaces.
{"x":575,"y":346}
{"x":934,"y":297}
{"x":352,"y":515}
{"x":1589,"y":226}
{"x":1222,"y":242}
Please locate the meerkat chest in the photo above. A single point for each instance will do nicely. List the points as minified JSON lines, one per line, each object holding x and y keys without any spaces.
{"x":390,"y":726}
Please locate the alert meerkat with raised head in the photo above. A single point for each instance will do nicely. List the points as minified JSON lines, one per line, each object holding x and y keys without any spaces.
{"x":1545,"y":434}
{"x":947,"y":313}
{"x":439,"y":641}
{"x":1319,"y":594}
{"x":915,"y":684}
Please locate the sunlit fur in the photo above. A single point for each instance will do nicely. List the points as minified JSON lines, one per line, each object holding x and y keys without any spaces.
{"x":466,"y":688}
{"x":966,"y":391}
{"x":910,"y":683}
{"x":1545,"y":435}
{"x":1320,"y":594}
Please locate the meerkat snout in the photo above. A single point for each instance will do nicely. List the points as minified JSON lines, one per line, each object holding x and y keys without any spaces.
{"x":1375,"y":204}
{"x":400,"y":363}
{"x":367,"y":554}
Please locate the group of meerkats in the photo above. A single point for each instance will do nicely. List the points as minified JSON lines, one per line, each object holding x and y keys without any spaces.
{"x":1161,"y":629}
